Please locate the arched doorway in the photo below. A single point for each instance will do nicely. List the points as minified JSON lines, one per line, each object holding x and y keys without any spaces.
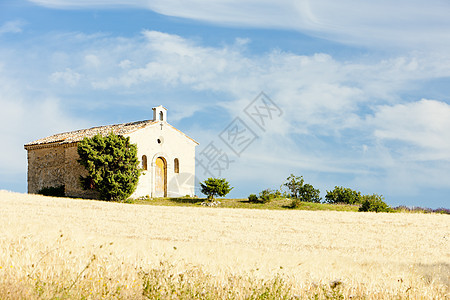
{"x":161,"y":177}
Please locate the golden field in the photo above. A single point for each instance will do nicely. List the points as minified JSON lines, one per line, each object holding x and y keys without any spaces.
{"x":59,"y":248}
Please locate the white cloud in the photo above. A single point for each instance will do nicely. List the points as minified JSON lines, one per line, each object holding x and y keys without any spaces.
{"x":67,"y":76}
{"x":425,"y":124}
{"x":403,"y":23}
{"x":12,"y":27}
{"x":25,"y":117}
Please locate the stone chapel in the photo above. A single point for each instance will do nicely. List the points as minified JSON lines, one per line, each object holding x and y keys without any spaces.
{"x":167,"y":158}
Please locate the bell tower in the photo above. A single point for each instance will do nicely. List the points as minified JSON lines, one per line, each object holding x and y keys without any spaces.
{"x":160,"y":114}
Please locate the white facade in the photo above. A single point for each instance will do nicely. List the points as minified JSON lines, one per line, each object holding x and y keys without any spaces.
{"x":177,"y":151}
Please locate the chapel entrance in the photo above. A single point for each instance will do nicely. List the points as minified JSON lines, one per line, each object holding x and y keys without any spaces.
{"x":161,"y":177}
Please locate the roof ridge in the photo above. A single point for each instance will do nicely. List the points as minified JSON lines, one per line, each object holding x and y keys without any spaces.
{"x":79,"y":134}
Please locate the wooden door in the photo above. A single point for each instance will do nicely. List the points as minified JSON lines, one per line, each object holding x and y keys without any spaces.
{"x":161,"y":178}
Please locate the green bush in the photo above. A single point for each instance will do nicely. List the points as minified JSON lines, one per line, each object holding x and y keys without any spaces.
{"x":112,"y":166}
{"x":307,"y":193}
{"x":267,"y":195}
{"x":56,"y":191}
{"x":301,"y":192}
{"x":212,"y":187}
{"x":343,"y":195}
{"x":374,"y":203}
{"x":252,"y":198}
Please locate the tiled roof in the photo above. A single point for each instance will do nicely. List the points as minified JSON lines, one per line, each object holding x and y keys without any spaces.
{"x":78,"y":135}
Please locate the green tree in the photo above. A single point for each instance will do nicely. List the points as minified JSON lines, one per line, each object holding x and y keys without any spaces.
{"x":112,"y":165}
{"x":212,"y":187}
{"x":294,"y":184}
{"x":309,"y":194}
{"x":301,"y":192}
{"x":374,"y":203}
{"x":343,"y":195}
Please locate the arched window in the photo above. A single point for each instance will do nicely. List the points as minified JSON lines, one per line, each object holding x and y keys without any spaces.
{"x":176,"y":165}
{"x":144,"y":162}
{"x":161,"y":116}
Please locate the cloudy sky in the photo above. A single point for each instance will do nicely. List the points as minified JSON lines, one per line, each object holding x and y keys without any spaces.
{"x":357,"y":93}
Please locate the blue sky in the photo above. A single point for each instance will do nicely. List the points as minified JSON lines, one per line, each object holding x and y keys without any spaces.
{"x":362,"y":87}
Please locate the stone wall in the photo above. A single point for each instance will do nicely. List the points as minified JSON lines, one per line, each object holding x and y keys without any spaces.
{"x":45,"y":168}
{"x":56,"y":166}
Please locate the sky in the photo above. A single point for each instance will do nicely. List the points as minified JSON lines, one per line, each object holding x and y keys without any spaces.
{"x":343,"y":93}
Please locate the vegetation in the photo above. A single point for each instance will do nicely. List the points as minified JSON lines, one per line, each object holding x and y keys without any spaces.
{"x":343,"y":195}
{"x":417,"y":209}
{"x":252,"y":198}
{"x":374,"y":203}
{"x":301,"y":192}
{"x":294,"y":184}
{"x":267,"y":195}
{"x":213,"y":187}
{"x":275,"y":204}
{"x":58,"y":191}
{"x":112,"y":165}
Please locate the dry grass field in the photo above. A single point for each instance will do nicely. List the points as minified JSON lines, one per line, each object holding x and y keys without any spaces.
{"x":56,"y":248}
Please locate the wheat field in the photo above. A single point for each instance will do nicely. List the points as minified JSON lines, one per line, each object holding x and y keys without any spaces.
{"x":59,"y":248}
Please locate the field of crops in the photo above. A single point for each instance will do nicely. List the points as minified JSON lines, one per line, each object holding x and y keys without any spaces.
{"x":69,"y":248}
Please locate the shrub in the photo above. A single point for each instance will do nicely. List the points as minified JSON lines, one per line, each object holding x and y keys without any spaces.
{"x":112,"y":165}
{"x":267,"y":195}
{"x":56,"y":191}
{"x":252,"y":198}
{"x":215,"y":187}
{"x":374,"y":203}
{"x":343,"y":195}
{"x":307,"y":193}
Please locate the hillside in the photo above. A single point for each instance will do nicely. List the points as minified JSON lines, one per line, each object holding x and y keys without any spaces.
{"x":56,"y":238}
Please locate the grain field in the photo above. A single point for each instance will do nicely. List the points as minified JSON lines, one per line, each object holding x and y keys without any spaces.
{"x":69,"y":248}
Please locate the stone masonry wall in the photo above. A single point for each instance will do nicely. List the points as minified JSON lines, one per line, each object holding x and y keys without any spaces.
{"x":56,"y":166}
{"x":45,"y":168}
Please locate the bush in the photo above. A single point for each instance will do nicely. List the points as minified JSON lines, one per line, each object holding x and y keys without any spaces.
{"x":343,"y":195}
{"x":307,"y":193}
{"x":374,"y":203}
{"x":300,"y":191}
{"x":215,"y":187}
{"x":112,"y":166}
{"x":267,"y":195}
{"x":58,"y":191}
{"x":252,"y":198}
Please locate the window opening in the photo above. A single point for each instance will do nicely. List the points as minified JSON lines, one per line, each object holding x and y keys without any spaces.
{"x":144,"y":162}
{"x":176,"y":164}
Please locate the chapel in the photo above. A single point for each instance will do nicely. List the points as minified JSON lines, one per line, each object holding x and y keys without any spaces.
{"x":167,"y":158}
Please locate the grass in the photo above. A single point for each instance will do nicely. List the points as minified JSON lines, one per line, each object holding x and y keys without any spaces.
{"x":59,"y":248}
{"x":275,"y":204}
{"x":58,"y":274}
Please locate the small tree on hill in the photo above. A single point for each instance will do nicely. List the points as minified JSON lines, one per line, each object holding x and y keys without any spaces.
{"x":112,"y":165}
{"x":294,"y":184}
{"x":301,"y":192}
{"x":212,"y":187}
{"x":309,"y":194}
{"x":343,"y":195}
{"x":374,"y":203}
